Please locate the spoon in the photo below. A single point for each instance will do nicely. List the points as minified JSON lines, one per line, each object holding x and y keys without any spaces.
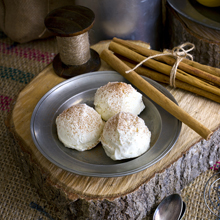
{"x":170,"y":208}
{"x":183,"y":211}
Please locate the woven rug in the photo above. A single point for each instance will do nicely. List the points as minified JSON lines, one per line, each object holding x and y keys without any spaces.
{"x":19,"y":64}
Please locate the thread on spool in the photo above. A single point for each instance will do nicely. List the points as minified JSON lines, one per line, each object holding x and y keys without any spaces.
{"x":74,"y":50}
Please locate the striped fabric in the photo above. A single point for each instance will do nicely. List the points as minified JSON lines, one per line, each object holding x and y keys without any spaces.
{"x":19,"y":64}
{"x":26,"y":52}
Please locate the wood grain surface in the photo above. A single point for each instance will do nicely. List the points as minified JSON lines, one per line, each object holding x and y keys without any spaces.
{"x":70,"y":20}
{"x":75,"y":186}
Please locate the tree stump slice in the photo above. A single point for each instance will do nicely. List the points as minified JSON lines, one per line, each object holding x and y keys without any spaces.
{"x":179,"y":30}
{"x":128,"y":197}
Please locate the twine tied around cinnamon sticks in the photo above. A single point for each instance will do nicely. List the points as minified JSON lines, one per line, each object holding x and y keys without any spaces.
{"x":191,"y":76}
{"x":179,"y":53}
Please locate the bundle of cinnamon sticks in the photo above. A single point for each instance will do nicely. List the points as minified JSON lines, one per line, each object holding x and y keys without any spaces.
{"x":191,"y":76}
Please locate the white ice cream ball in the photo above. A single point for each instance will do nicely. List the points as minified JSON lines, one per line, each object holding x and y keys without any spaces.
{"x":79,"y":127}
{"x":115,"y":97}
{"x":125,"y":136}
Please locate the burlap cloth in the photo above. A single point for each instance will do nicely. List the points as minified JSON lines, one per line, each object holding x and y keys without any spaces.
{"x":19,"y":64}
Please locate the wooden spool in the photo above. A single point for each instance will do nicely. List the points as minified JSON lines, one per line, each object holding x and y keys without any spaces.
{"x":72,"y":21}
{"x":180,"y":29}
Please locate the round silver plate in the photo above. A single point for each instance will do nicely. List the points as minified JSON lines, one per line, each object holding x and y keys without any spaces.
{"x":164,"y":128}
{"x":191,"y":9}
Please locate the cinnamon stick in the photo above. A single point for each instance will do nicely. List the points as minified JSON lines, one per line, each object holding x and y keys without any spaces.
{"x":163,"y":68}
{"x":209,"y":69}
{"x":159,"y":77}
{"x":154,"y":94}
{"x":170,"y":61}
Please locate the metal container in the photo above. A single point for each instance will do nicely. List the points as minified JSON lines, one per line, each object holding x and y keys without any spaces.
{"x":126,"y":19}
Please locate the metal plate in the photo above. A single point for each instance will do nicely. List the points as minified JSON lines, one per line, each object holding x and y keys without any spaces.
{"x":191,"y":9}
{"x":164,"y":127}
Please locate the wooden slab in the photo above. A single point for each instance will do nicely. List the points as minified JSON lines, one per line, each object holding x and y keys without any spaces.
{"x":65,"y":188}
{"x":180,"y":29}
